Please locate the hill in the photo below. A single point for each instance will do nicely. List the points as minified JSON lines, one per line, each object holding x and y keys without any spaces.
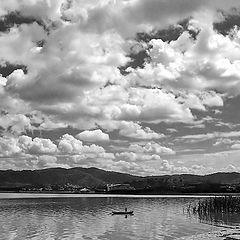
{"x":91,"y":177}
{"x":98,"y":178}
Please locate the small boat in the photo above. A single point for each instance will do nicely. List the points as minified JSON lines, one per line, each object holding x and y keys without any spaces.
{"x":123,"y":213}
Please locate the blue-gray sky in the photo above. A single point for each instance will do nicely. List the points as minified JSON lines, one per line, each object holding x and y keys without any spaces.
{"x":146,"y":87}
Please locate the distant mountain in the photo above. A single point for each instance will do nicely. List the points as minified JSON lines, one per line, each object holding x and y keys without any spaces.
{"x":97,"y":178}
{"x":91,"y":177}
{"x":224,"y":178}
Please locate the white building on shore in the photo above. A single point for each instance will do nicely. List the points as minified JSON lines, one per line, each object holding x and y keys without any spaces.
{"x":119,"y":187}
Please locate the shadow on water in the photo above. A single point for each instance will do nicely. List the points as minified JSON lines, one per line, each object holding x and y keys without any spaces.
{"x":124,"y":216}
{"x":218,"y":210}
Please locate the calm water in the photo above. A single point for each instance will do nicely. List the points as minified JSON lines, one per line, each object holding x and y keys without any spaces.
{"x":88,"y":217}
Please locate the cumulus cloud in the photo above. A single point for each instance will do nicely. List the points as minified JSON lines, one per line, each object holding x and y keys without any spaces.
{"x":128,"y":17}
{"x":209,"y":62}
{"x":153,"y":107}
{"x":151,"y":147}
{"x":70,"y":145}
{"x":34,"y":8}
{"x":75,"y":76}
{"x":67,"y":62}
{"x":131,"y":129}
{"x":93,"y":136}
{"x":207,"y":163}
{"x":40,"y":150}
{"x":167,"y":167}
{"x":37,"y":145}
{"x":200,"y":100}
{"x":92,"y":63}
{"x":9,"y":147}
{"x":15,"y":123}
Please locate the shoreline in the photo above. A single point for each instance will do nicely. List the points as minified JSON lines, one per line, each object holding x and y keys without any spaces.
{"x":124,"y":193}
{"x":19,"y":195}
{"x":224,"y":233}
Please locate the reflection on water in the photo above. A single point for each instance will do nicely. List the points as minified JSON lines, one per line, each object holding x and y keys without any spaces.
{"x":90,"y":218}
{"x":217,"y":210}
{"x":220,"y":218}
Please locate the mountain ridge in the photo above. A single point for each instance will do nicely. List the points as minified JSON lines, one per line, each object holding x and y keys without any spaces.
{"x":98,"y":178}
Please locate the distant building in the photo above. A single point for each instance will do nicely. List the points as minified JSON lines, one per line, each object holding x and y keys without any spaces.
{"x":86,"y":190}
{"x":47,"y":188}
{"x":119,"y":187}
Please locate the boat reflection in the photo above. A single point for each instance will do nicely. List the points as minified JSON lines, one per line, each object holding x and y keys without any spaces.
{"x":126,"y":213}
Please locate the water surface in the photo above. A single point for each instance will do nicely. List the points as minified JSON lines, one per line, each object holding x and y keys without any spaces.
{"x":26,"y":216}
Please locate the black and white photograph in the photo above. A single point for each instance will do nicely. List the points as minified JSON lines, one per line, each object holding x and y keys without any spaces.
{"x":120,"y":119}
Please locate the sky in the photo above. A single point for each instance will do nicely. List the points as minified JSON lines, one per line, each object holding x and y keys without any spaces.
{"x":146,"y":87}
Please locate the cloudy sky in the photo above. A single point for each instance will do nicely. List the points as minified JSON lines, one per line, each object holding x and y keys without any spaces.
{"x":146,"y":87}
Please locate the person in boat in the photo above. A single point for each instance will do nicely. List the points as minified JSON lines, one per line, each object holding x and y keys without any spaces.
{"x":123,"y":212}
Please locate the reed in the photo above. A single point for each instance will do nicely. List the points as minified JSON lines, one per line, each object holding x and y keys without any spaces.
{"x":215,"y":209}
{"x":224,"y":204}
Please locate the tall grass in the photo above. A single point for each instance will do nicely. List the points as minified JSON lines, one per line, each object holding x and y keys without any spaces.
{"x":216,"y":209}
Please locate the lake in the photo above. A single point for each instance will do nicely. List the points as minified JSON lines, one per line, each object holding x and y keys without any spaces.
{"x":72,"y":216}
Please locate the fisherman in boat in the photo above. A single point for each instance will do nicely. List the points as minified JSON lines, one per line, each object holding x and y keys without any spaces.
{"x":123,"y":212}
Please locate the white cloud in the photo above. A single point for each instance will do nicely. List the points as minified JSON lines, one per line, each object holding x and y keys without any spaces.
{"x":137,"y":104}
{"x":136,"y":157}
{"x":207,"y":162}
{"x":235,"y":146}
{"x":70,"y":145}
{"x":37,"y":145}
{"x":169,"y":167}
{"x":134,"y":168}
{"x":151,"y":147}
{"x":200,"y":100}
{"x":67,"y":145}
{"x":9,"y":147}
{"x":92,"y":62}
{"x":74,"y":80}
{"x":135,"y":131}
{"x":3,"y":81}
{"x":15,"y":123}
{"x":33,"y":8}
{"x":156,"y":105}
{"x":208,"y":63}
{"x":93,"y":136}
{"x":128,"y":17}
{"x":203,"y":137}
{"x":212,"y":99}
{"x":46,"y":161}
{"x":131,"y":130}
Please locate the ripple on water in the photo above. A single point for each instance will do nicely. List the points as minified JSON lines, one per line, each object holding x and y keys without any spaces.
{"x":90,"y":218}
